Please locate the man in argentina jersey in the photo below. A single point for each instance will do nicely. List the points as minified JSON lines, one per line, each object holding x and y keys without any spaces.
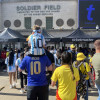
{"x":37,"y":42}
{"x":37,"y":82}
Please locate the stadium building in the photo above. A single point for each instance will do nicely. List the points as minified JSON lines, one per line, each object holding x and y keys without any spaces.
{"x":49,"y":14}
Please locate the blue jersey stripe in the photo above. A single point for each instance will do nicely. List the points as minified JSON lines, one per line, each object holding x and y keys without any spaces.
{"x":32,"y":43}
{"x":42,"y":43}
{"x":37,"y":43}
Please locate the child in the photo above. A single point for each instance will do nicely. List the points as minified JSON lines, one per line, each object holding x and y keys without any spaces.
{"x":37,"y":42}
{"x":18,"y":62}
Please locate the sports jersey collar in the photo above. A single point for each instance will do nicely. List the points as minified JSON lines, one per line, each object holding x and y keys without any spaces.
{"x":66,"y":66}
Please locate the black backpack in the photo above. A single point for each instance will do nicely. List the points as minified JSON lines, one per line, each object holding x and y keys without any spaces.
{"x":81,"y":88}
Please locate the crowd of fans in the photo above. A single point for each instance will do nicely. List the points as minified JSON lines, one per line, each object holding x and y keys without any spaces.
{"x":38,"y":65}
{"x":55,"y":56}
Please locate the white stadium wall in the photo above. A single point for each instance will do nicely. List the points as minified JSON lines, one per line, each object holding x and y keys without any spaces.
{"x":63,"y":10}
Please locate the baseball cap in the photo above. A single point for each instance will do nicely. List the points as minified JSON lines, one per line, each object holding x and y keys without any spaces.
{"x":72,"y":46}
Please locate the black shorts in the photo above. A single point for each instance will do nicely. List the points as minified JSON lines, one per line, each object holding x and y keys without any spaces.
{"x":37,"y":92}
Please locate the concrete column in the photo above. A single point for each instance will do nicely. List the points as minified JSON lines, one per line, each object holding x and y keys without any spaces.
{"x":19,"y":45}
{"x":61,"y":44}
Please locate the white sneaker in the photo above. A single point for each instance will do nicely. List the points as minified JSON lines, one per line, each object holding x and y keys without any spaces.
{"x":11,"y":87}
{"x":22,"y":91}
{"x":14,"y":85}
{"x":25,"y":88}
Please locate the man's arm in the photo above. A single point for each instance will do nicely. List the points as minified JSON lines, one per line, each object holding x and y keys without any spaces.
{"x":22,"y":65}
{"x":53,"y":67}
{"x":76,"y":83}
{"x":19,"y":69}
{"x":53,"y":83}
{"x":29,"y":43}
{"x":49,"y":68}
{"x":44,"y":43}
{"x":91,"y":77}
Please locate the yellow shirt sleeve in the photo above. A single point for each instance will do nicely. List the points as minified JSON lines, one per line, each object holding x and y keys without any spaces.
{"x":77,"y":76}
{"x":55,"y":76}
{"x":87,"y":67}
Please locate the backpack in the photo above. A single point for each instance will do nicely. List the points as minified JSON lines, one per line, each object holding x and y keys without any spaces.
{"x":81,"y":88}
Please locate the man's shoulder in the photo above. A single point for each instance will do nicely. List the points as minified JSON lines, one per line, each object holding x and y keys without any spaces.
{"x":48,"y":53}
{"x":27,"y":57}
{"x":58,"y":69}
{"x":45,"y":56}
{"x":96,"y":56}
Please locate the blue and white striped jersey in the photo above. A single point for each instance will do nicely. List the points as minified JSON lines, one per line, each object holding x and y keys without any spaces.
{"x":37,"y":41}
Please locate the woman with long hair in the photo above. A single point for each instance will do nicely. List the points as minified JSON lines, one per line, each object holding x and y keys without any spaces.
{"x":22,"y":76}
{"x":67,"y":77}
{"x":11,"y":69}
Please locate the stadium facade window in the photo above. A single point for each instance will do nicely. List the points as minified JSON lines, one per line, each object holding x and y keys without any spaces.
{"x":59,"y":22}
{"x":49,"y":22}
{"x":70,"y":22}
{"x":17,"y":23}
{"x":27,"y":22}
{"x":38,"y":22}
{"x":7,"y":23}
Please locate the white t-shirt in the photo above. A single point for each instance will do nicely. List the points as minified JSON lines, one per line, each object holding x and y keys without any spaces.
{"x":57,"y":61}
{"x":10,"y":68}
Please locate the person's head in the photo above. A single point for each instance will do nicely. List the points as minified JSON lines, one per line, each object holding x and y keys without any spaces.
{"x":72,"y":47}
{"x":80,"y":57}
{"x":16,"y":50}
{"x":11,"y":49}
{"x":26,"y":49}
{"x":36,"y":28}
{"x":97,"y":44}
{"x":66,"y":59}
{"x":48,"y":48}
{"x":21,"y":55}
{"x":11,"y":58}
{"x":51,"y":47}
{"x":79,"y":49}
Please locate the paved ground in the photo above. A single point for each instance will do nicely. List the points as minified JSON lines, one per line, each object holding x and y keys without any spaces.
{"x":13,"y":94}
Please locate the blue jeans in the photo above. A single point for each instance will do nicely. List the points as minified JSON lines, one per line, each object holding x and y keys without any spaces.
{"x":86,"y":97}
{"x":98,"y":87}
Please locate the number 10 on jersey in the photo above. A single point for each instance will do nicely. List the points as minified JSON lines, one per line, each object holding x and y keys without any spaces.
{"x":35,"y":69}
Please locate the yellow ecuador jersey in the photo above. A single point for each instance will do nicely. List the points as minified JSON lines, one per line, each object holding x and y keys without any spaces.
{"x":90,"y":60}
{"x":66,"y":84}
{"x":83,"y":69}
{"x":7,"y":54}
